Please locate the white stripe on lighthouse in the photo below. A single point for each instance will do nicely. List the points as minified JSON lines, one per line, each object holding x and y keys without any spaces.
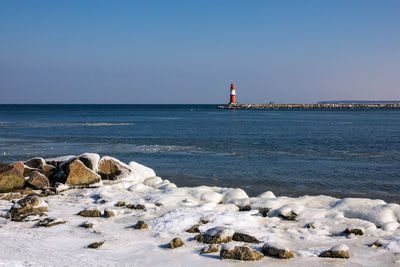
{"x":233,"y":92}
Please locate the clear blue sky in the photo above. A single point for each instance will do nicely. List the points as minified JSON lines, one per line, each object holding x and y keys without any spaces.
{"x":189,"y":51}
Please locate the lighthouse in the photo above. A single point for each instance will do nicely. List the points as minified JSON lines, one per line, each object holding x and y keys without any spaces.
{"x":233,"y":95}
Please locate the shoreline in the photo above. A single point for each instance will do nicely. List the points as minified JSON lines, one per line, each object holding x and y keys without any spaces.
{"x":310,"y":106}
{"x":133,"y":214}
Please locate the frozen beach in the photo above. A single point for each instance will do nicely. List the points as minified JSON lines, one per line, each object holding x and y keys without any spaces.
{"x":308,"y":225}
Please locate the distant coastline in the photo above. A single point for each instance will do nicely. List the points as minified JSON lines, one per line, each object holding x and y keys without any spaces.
{"x":319,"y":105}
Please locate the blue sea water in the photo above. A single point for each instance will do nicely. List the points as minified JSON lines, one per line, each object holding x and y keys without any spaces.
{"x":342,"y":153}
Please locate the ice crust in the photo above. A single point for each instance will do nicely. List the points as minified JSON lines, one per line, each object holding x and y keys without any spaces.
{"x":170,"y":210}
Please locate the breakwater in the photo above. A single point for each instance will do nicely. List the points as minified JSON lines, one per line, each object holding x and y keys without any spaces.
{"x":311,"y":106}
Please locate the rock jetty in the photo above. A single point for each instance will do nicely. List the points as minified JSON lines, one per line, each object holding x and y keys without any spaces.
{"x":311,"y":106}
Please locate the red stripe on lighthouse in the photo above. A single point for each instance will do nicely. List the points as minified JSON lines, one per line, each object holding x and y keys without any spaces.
{"x":233,"y":94}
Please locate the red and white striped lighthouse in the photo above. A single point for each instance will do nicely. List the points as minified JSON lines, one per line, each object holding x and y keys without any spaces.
{"x":233,"y":94}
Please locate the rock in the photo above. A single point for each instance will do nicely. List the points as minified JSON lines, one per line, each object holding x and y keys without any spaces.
{"x":244,"y":208}
{"x":204,"y":221}
{"x":113,"y":169}
{"x":176,"y":243}
{"x":36,"y":163}
{"x":49,"y":191}
{"x":341,"y":251}
{"x":193,"y":229}
{"x":242,"y":237}
{"x":263,"y":211}
{"x":377,"y":244}
{"x":38,"y":180}
{"x":158,"y":204}
{"x":48,"y":222}
{"x":57,"y":162}
{"x":12,"y":196}
{"x":141,"y":225}
{"x":136,"y":207}
{"x":353,"y":231}
{"x":210,"y":249}
{"x":10,"y":178}
{"x":310,"y":226}
{"x":290,"y":216}
{"x":109,"y":213}
{"x":59,"y":178}
{"x":19,"y":166}
{"x":86,"y":225}
{"x":90,"y":213}
{"x":96,"y":244}
{"x":29,"y":205}
{"x":243,"y":253}
{"x":216,"y":235}
{"x":80,"y":175}
{"x":90,"y":160}
{"x":121,"y":204}
{"x":274,"y":251}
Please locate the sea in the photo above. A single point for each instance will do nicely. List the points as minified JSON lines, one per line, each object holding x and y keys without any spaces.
{"x":340,"y":153}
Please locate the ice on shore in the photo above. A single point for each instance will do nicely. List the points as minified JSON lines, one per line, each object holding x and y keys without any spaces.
{"x":306,"y":225}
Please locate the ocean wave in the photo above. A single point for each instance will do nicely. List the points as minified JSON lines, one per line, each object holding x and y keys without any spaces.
{"x":99,"y":124}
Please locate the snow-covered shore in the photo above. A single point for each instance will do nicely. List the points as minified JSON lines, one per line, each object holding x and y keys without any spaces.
{"x":307,"y":225}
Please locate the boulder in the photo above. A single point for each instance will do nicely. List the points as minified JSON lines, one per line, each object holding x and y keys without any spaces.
{"x":48,"y":222}
{"x":59,"y":177}
{"x":19,"y":165}
{"x":216,"y":235}
{"x":36,"y":163}
{"x":57,"y":162}
{"x":340,"y":251}
{"x":80,"y":175}
{"x":141,"y":225}
{"x":90,"y":160}
{"x":10,"y":178}
{"x":113,"y":169}
{"x":96,"y":244}
{"x":210,"y":249}
{"x":242,"y":237}
{"x":38,"y":180}
{"x":274,"y":251}
{"x":243,"y":253}
{"x":90,"y":212}
{"x":176,"y":243}
{"x":29,"y":205}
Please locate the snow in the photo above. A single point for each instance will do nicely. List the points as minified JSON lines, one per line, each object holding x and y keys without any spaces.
{"x":170,"y":210}
{"x":340,"y":248}
{"x":93,"y":158}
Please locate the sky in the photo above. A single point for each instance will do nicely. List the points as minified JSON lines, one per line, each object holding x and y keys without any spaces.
{"x":188,"y":52}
